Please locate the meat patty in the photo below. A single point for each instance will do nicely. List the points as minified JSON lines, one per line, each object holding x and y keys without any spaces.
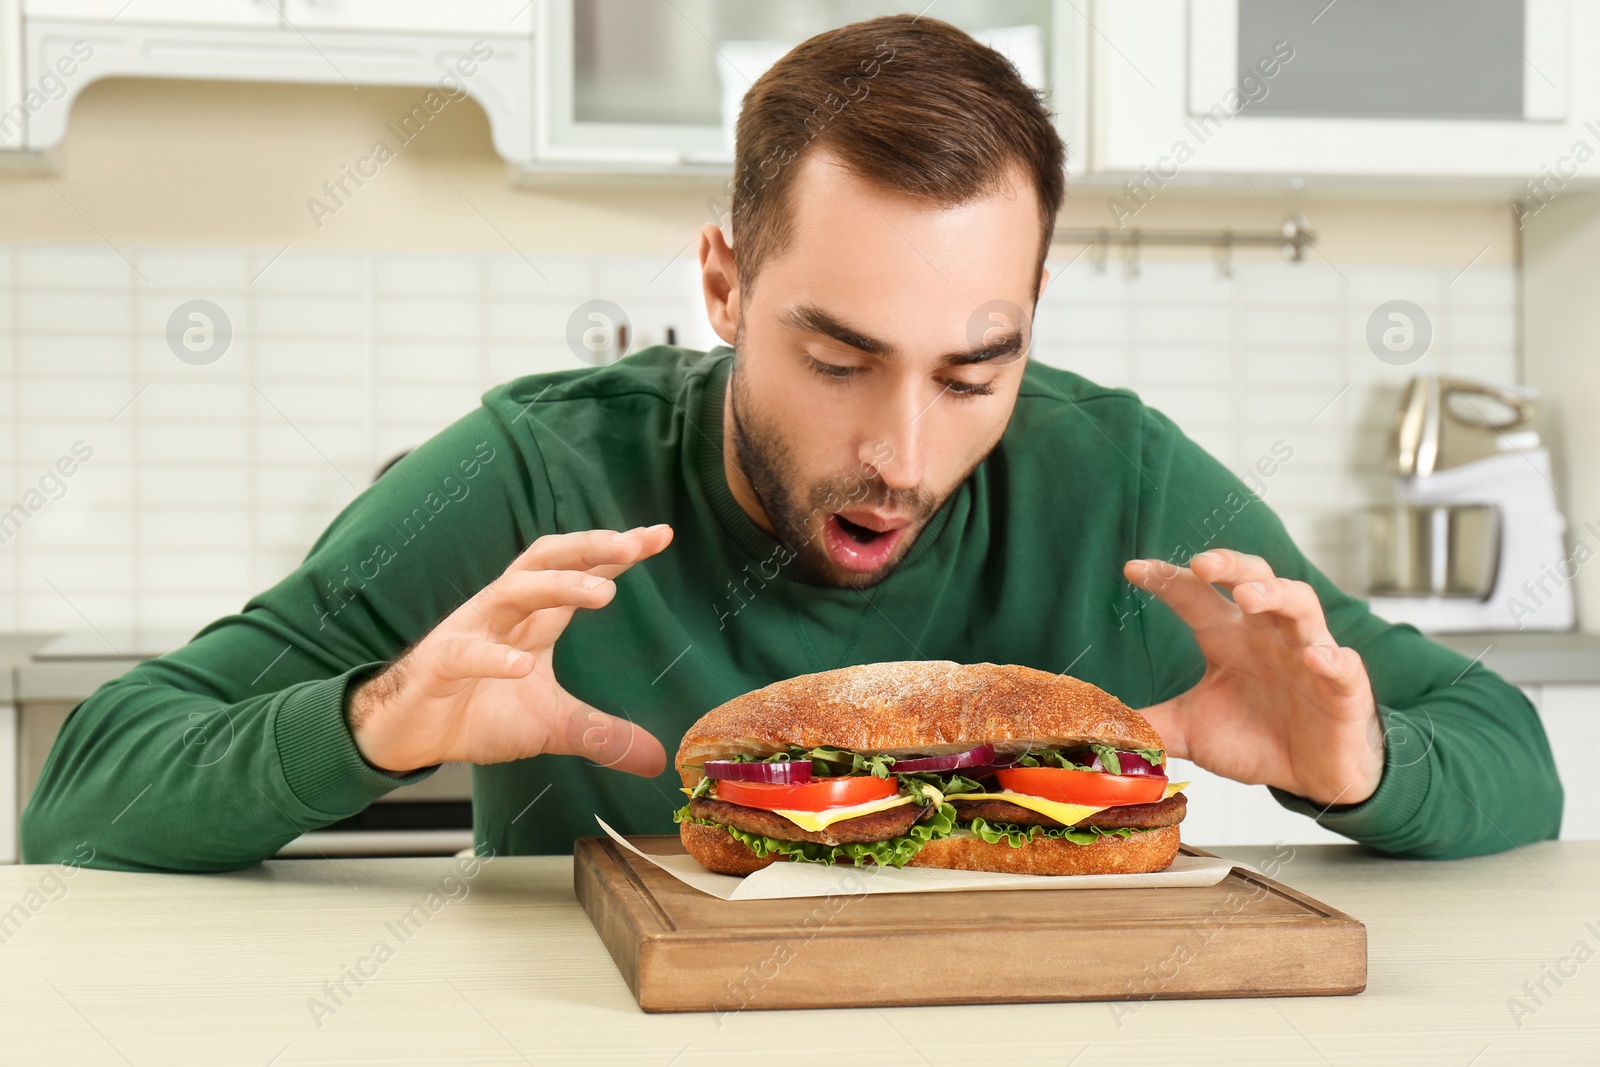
{"x":878,"y":826}
{"x":1168,"y":812}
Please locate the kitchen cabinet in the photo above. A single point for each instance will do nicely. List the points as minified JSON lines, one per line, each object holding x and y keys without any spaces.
{"x":656,"y":87}
{"x":1224,"y":812}
{"x":454,"y":54}
{"x":1571,"y":715}
{"x":13,"y":123}
{"x":10,"y":786}
{"x":1500,"y":89}
{"x":487,"y":17}
{"x":163,"y":12}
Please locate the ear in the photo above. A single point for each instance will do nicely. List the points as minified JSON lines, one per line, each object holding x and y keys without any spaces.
{"x":1044,"y":279}
{"x":719,"y":277}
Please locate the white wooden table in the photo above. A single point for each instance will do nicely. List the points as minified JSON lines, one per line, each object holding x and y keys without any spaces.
{"x":504,"y":967}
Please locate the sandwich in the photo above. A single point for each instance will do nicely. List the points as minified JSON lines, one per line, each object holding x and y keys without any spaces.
{"x":977,"y":767}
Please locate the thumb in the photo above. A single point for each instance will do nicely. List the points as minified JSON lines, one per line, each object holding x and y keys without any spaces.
{"x":606,"y":740}
{"x":1164,"y":718}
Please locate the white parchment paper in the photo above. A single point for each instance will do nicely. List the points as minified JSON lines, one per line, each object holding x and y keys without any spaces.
{"x":781,"y":880}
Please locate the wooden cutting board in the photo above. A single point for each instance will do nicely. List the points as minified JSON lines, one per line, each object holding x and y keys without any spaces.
{"x":682,"y":950}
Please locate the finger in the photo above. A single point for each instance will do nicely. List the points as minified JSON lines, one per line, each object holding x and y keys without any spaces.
{"x":607,"y":740}
{"x":465,"y":658}
{"x":1226,"y":567}
{"x":1164,"y":718}
{"x":513,"y":597}
{"x":590,"y":549}
{"x":651,"y":540}
{"x":1196,"y":601}
{"x":1343,"y":667}
{"x":1294,"y":600}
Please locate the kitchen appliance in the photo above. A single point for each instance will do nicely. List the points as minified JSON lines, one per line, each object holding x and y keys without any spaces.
{"x":1474,"y":540}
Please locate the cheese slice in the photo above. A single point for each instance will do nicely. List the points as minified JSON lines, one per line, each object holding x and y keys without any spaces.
{"x":1065,"y":814}
{"x":821,"y":820}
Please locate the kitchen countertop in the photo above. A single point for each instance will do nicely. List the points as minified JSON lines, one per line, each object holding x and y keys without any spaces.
{"x":1520,"y":658}
{"x":143,"y":968}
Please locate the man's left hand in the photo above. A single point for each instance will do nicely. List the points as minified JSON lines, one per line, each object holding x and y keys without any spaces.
{"x":1281,"y":703}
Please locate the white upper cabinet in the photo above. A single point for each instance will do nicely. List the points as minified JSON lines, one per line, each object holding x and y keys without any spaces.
{"x":657,"y":85}
{"x":490,"y":18}
{"x":13,"y":106}
{"x":163,"y":12}
{"x":1484,"y":89}
{"x":482,"y":48}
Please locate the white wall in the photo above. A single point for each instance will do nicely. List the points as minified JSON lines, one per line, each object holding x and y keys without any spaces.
{"x":1561,"y":294}
{"x":209,"y":482}
{"x":368,"y":333}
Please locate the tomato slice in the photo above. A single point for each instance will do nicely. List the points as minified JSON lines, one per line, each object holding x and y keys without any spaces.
{"x":1094,"y":788}
{"x":819,"y":794}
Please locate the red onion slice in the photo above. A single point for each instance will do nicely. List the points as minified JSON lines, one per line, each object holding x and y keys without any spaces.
{"x":972,"y":757}
{"x":783,"y":772}
{"x":1130,"y":763}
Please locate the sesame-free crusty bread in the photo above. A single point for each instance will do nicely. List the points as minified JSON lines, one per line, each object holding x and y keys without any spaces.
{"x":915,"y":707}
{"x":1150,"y":850}
{"x":1146,"y":851}
{"x":929,"y":708}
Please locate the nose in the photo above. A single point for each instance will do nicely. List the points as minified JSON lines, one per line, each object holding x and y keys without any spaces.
{"x":896,"y":451}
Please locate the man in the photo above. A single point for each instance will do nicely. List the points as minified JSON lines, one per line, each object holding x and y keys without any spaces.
{"x":875,"y":471}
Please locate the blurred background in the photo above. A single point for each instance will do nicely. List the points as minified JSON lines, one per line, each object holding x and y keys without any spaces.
{"x":250,"y":250}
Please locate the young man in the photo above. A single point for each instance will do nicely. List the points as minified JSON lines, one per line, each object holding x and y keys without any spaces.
{"x":874,"y":471}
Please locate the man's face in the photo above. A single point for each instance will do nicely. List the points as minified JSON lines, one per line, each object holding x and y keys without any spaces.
{"x":878,"y":360}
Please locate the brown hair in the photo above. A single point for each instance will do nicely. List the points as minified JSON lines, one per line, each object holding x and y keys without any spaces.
{"x":908,"y":103}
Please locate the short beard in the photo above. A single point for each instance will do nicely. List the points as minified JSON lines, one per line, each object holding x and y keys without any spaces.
{"x":766,"y":463}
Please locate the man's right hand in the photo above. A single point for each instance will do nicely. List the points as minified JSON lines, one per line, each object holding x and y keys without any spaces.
{"x":480,"y":687}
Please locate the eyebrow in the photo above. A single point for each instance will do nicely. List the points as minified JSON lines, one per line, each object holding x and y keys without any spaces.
{"x":809,"y":318}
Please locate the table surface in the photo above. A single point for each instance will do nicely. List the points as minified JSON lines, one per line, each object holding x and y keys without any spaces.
{"x":503,"y":967}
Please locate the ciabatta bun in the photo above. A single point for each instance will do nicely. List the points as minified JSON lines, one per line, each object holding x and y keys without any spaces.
{"x":1149,"y":850}
{"x":926,"y":707}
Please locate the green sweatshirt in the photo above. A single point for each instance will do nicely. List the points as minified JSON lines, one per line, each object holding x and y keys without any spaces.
{"x":216,"y":755}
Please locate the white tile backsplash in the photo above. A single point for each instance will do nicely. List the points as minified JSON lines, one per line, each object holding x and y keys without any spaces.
{"x":208,"y":483}
{"x":1279,"y":352}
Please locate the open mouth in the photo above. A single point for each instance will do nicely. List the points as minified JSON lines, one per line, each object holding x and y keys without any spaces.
{"x":856,"y":546}
{"x":858,"y":533}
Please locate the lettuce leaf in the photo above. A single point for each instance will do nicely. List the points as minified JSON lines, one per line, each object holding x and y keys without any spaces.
{"x":895,"y":852}
{"x":827,"y":762}
{"x":1079,"y":759}
{"x":1108,"y":758}
{"x":1016,"y":836}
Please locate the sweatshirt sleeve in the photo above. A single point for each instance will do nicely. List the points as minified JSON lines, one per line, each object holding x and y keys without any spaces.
{"x":1467,"y":768}
{"x":216,"y":755}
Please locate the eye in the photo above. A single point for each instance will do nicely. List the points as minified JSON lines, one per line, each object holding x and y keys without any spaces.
{"x":969,"y":389}
{"x":831,"y":371}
